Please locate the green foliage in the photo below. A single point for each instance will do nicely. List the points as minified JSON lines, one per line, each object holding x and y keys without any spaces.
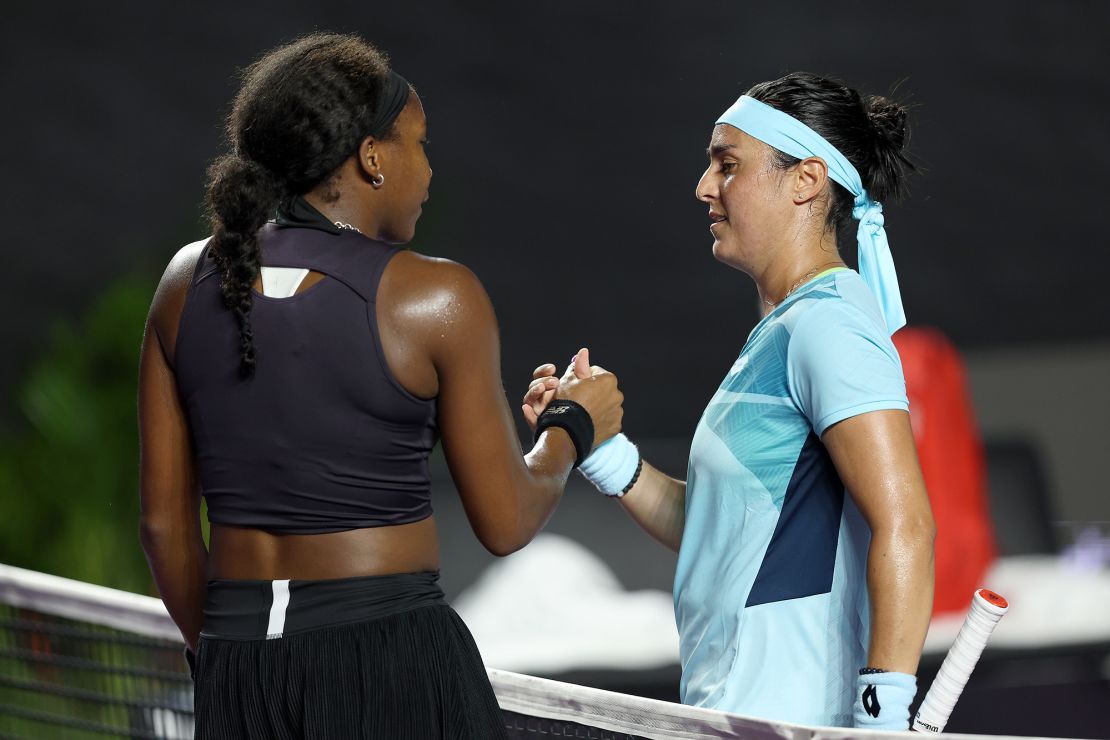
{"x":69,"y":477}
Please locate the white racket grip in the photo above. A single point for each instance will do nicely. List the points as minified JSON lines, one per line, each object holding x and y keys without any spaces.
{"x":987,"y":608}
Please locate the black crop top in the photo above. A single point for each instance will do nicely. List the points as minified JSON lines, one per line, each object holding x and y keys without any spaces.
{"x":323,"y":438}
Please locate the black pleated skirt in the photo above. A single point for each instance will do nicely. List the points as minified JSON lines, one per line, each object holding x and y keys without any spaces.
{"x":372,"y":657}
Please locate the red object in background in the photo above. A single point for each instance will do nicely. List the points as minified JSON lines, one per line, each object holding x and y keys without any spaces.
{"x":951,"y":455}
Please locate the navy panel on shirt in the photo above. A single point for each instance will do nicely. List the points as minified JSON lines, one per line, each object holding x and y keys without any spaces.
{"x":802,"y":553}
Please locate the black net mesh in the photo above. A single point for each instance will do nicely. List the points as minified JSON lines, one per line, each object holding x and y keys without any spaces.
{"x":523,"y":727}
{"x":61,"y":678}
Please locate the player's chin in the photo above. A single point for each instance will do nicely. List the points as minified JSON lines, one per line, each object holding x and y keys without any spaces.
{"x":722,"y":251}
{"x":410,"y":231}
{"x":729,"y":254}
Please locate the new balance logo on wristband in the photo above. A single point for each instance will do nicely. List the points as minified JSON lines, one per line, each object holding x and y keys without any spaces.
{"x":871,"y":701}
{"x":575,"y":420}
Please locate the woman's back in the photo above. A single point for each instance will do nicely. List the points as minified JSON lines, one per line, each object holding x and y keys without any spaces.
{"x":322,"y":438}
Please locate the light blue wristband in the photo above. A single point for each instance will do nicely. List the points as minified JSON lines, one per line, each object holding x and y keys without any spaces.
{"x":883,"y":700}
{"x":612,"y":466}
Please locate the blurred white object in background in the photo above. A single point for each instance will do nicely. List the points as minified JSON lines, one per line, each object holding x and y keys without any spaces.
{"x":1052,"y":602}
{"x":555,"y":606}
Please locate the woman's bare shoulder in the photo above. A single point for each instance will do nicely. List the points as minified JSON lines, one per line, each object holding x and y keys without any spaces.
{"x":436,"y":272}
{"x":431,"y":284}
{"x":179,"y":271}
{"x":438,"y":300}
{"x":173,"y":288}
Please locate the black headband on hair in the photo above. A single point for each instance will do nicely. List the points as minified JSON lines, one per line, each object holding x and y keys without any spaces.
{"x":394,"y":95}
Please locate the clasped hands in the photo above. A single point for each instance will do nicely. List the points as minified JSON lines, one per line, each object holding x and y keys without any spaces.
{"x":591,"y":386}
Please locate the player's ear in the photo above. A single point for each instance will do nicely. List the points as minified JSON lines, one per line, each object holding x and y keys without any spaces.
{"x":370,"y":156}
{"x":809,"y":178}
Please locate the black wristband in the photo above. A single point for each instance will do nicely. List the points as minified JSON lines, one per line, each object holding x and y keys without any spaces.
{"x":575,"y":420}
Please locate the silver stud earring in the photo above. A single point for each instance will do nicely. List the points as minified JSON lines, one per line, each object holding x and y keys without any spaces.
{"x":378,"y":181}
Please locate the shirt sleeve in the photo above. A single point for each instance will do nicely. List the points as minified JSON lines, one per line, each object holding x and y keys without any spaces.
{"x":839,"y":364}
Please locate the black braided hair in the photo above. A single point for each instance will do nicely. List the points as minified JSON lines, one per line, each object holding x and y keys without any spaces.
{"x":871,"y":132}
{"x":301,"y":112}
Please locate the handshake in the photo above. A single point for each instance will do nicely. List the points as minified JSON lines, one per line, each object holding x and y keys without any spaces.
{"x":605,"y":457}
{"x":592,"y":387}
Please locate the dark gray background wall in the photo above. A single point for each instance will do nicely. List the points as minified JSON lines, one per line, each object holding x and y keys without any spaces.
{"x":566,"y":141}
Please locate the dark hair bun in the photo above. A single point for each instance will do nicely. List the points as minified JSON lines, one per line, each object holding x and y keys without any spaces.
{"x":890,"y":121}
{"x":870,"y":132}
{"x":887,"y":173}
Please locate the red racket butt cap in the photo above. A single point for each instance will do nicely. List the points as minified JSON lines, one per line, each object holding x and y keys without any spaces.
{"x":994,"y":598}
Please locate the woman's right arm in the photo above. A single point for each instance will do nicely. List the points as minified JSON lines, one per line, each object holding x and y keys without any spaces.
{"x":657,"y":502}
{"x":508,"y":497}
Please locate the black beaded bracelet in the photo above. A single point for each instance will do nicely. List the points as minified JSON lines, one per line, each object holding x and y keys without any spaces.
{"x":575,"y":420}
{"x":635,"y":476}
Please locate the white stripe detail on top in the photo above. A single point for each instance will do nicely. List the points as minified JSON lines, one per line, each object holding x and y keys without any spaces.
{"x":277,"y":609}
{"x":282,"y":282}
{"x":735,"y":397}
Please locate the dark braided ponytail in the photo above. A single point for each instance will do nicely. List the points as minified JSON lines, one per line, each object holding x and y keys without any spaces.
{"x":301,"y":112}
{"x":242,"y":195}
{"x":871,"y":133}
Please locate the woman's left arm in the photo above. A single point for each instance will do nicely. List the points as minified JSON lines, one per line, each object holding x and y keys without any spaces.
{"x":170,"y":529}
{"x":875,"y":456}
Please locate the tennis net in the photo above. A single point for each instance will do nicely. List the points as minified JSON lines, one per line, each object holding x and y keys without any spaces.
{"x":84,"y":661}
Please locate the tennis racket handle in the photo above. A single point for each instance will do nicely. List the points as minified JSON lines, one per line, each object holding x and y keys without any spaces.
{"x":987,"y":608}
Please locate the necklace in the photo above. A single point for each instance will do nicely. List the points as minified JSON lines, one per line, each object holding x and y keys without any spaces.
{"x":342,"y":225}
{"x":799,"y":282}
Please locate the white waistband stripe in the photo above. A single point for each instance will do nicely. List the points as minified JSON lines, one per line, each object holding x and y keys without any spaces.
{"x":277,"y":609}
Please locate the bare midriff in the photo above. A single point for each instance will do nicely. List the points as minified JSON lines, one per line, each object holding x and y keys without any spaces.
{"x":244,"y":553}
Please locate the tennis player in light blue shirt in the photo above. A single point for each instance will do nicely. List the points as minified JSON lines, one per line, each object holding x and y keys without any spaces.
{"x":771,"y":575}
{"x":804,"y":581}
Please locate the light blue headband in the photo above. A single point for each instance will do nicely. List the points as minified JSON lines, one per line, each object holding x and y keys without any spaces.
{"x":791,"y":136}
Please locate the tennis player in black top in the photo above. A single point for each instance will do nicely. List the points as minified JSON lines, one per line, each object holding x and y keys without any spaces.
{"x":296,"y":372}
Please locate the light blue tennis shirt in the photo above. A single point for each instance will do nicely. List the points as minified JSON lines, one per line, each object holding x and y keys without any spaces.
{"x":770,"y":591}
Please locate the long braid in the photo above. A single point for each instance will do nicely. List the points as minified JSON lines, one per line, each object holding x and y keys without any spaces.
{"x":241,"y":196}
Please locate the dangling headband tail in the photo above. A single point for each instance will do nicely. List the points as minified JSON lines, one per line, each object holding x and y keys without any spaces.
{"x":791,"y":136}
